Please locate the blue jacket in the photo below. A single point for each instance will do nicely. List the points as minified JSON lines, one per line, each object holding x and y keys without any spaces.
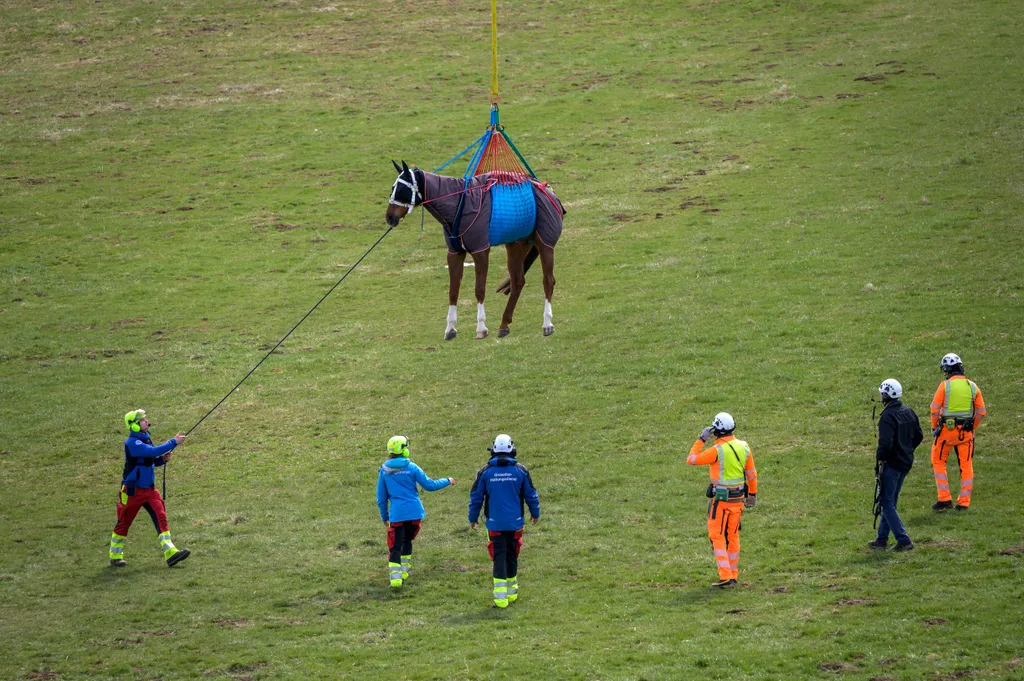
{"x":140,"y":456}
{"x":396,"y":483}
{"x":501,"y":487}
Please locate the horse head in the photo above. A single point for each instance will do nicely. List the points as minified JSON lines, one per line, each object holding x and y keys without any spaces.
{"x":406,"y":194}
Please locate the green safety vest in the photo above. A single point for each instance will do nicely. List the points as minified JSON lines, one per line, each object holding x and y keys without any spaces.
{"x":959,"y":399}
{"x":732,"y":460}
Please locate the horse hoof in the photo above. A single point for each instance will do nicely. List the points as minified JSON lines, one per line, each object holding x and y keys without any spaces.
{"x":480,"y":335}
{"x":504,"y":332}
{"x":448,"y":335}
{"x":548,"y":330}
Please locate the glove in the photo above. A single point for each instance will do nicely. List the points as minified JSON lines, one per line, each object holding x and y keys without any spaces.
{"x":750,"y":501}
{"x":705,"y":434}
{"x":936,"y":430}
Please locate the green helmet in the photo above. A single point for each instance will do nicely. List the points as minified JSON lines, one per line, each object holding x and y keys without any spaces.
{"x":132,"y":418}
{"x":398,"y":445}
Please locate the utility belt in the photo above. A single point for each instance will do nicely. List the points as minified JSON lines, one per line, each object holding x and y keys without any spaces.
{"x":964,"y":423}
{"x":722,"y":493}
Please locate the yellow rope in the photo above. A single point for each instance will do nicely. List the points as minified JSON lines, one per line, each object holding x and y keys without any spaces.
{"x":494,"y":51}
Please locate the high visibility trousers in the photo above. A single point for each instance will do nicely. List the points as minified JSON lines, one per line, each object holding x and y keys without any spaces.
{"x":949,"y":442}
{"x":724,"y":533}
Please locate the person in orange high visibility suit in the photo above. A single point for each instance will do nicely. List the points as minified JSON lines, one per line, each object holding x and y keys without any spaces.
{"x":733,"y":487}
{"x":957,"y":410}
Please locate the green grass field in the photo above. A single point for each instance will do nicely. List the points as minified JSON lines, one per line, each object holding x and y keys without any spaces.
{"x":772,"y":207}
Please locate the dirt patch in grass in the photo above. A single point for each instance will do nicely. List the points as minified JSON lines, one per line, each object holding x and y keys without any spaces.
{"x":873,"y":78}
{"x":42,"y":675}
{"x":953,"y":676}
{"x":237,"y":623}
{"x":890,"y":662}
{"x":857,"y":601}
{"x":935,"y":621}
{"x":1012,"y":550}
{"x":837,"y":667}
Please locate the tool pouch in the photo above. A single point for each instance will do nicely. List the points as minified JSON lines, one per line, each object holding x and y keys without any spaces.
{"x":721,"y":494}
{"x":710,"y":491}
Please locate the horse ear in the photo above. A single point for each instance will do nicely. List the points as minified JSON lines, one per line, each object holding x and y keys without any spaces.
{"x":397,"y":169}
{"x":405,"y":168}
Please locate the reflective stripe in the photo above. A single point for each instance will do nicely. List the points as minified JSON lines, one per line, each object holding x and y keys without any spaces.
{"x":733,"y":556}
{"x":749,"y":475}
{"x":943,"y":487}
{"x":941,"y":476}
{"x":936,"y":406}
{"x":116,"y":551}
{"x":964,"y":494}
{"x":692,"y":459}
{"x":967,"y":483}
{"x":720,"y":552}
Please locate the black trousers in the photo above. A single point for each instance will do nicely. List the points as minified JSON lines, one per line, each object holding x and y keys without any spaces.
{"x":504,"y":549}
{"x":400,"y":536}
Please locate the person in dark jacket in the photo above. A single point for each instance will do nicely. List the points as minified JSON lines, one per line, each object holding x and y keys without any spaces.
{"x":899,"y":434}
{"x":501,"y":489}
{"x":138,"y":489}
{"x":398,"y":500}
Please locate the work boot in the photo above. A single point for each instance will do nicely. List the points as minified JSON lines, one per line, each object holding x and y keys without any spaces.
{"x":879,"y":543}
{"x":178,"y":556}
{"x":942,"y":505}
{"x":962,"y":508}
{"x":118,"y":563}
{"x":907,"y":546}
{"x":724,"y":584}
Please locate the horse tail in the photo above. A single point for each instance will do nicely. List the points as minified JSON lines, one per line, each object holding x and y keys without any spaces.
{"x":506,"y":284}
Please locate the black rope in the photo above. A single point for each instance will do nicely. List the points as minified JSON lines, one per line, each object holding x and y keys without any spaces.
{"x":290,"y":332}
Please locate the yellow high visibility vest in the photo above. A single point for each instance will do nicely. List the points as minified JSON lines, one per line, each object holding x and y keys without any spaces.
{"x":959,"y":400}
{"x":732,"y":460}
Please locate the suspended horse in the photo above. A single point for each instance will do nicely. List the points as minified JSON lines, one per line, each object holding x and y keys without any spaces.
{"x":500,"y":204}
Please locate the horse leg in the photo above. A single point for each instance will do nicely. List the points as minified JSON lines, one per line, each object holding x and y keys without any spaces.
{"x":481,"y":260}
{"x":547,"y":263}
{"x":516,"y":254}
{"x":505,"y":285}
{"x":456,"y":262}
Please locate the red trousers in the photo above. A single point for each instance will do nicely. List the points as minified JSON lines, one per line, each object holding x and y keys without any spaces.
{"x":128,"y":507}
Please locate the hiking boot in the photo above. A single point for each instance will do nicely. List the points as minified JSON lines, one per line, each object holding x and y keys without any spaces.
{"x":962,"y":508}
{"x":117,"y":562}
{"x":724,"y":584}
{"x":942,"y":505}
{"x":179,"y":555}
{"x":908,"y":546}
{"x":879,"y":543}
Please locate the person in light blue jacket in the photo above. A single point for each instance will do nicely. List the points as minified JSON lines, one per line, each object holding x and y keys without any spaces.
{"x":396,"y":487}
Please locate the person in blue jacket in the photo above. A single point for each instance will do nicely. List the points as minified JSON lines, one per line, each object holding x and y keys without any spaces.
{"x":501,"y":488}
{"x":138,"y":489}
{"x":396,"y":486}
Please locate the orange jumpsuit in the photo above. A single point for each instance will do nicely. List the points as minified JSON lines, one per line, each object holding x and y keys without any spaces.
{"x":724,"y":516}
{"x":957,"y":440}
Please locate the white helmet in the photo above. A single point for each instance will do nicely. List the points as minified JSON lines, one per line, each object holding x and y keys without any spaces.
{"x":950,"y":361}
{"x":503,"y":445}
{"x":890,"y":389}
{"x":723,"y":422}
